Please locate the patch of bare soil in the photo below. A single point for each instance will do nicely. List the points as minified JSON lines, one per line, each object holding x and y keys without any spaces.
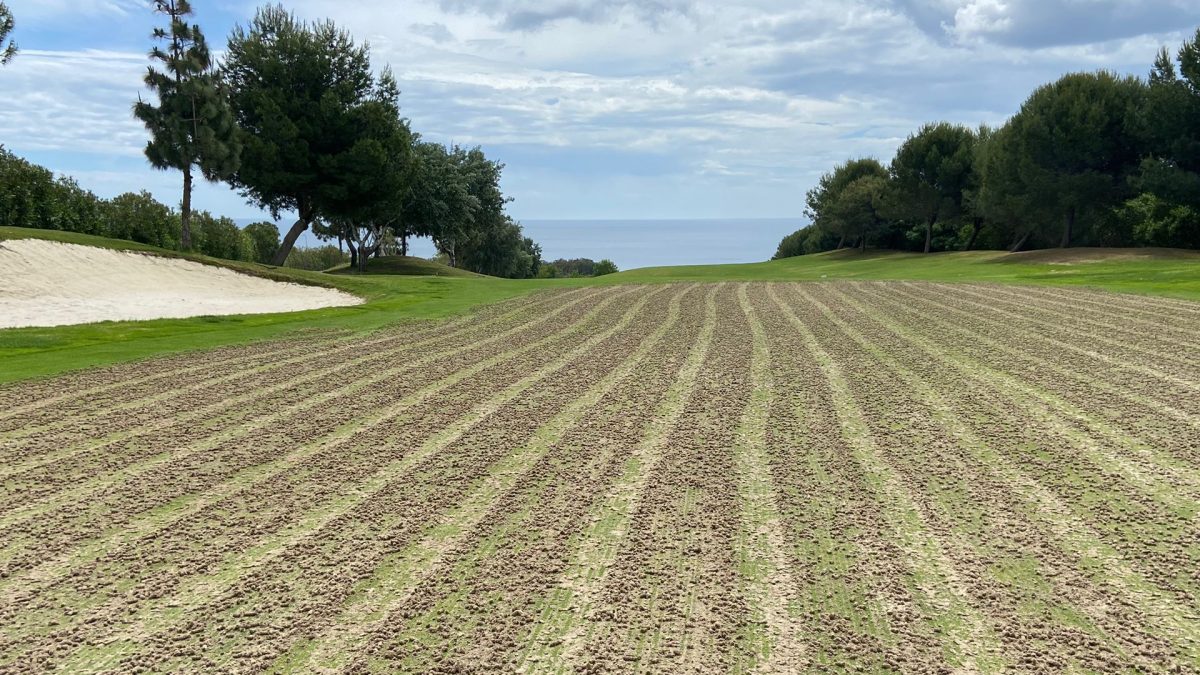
{"x":842,"y":477}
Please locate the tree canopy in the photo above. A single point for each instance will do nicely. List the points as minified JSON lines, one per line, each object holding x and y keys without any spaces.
{"x":301,"y":93}
{"x":1096,"y":158}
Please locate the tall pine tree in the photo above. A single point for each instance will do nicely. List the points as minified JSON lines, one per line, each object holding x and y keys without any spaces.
{"x":192,"y":126}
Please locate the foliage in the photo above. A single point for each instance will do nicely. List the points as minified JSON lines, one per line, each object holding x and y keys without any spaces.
{"x":192,"y":125}
{"x":1083,"y":159}
{"x":265,"y":237}
{"x":6,"y":28}
{"x":137,"y":216}
{"x":604,"y":267}
{"x":1148,"y":220}
{"x":930,"y":174}
{"x":301,"y":93}
{"x":220,"y":238}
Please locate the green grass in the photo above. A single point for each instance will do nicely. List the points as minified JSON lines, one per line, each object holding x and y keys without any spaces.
{"x":398,"y":289}
{"x":1169,"y":273}
{"x":408,"y":266}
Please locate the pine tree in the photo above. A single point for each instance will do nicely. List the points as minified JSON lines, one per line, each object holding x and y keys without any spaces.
{"x":192,"y":126}
{"x":6,"y":27}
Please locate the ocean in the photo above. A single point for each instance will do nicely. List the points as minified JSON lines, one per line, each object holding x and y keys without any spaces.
{"x":647,"y":243}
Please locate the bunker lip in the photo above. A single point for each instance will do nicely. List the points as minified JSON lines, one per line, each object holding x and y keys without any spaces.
{"x":45,"y":283}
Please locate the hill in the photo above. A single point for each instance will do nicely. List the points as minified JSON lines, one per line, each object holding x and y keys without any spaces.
{"x":403,"y":265}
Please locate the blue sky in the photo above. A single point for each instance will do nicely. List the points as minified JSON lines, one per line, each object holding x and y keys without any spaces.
{"x":610,"y":109}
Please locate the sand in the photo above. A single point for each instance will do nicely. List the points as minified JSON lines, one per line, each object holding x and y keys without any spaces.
{"x":45,"y":283}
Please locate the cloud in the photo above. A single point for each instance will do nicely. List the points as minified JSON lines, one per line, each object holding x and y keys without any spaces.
{"x":626,"y":108}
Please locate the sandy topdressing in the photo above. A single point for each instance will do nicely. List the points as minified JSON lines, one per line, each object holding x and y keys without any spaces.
{"x":45,"y":283}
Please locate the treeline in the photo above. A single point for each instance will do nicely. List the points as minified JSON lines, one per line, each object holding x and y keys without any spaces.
{"x":31,"y":196}
{"x":1093,"y":159}
{"x":296,"y":119}
{"x":576,"y":267}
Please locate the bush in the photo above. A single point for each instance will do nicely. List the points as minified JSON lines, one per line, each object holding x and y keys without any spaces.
{"x":137,"y":216}
{"x":603,"y":267}
{"x":264,"y":237}
{"x":317,"y":258}
{"x":1148,"y":220}
{"x":219,"y":237}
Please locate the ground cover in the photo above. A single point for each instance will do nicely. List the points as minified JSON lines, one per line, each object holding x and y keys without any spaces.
{"x":707,"y":477}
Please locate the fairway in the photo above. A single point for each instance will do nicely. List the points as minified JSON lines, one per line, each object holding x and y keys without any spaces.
{"x":672,"y":477}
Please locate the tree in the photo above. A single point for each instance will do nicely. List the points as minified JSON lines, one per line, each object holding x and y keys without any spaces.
{"x":266,"y":240}
{"x":438,"y":203}
{"x":298,"y":93}
{"x":604,"y":267}
{"x":930,"y":174}
{"x":1071,"y":147}
{"x":192,"y":125}
{"x":381,"y":164}
{"x":822,"y":199}
{"x":858,"y":210}
{"x":6,"y":28}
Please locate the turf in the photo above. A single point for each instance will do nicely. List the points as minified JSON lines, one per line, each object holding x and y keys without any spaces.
{"x":1163,"y":272}
{"x":396,"y":291}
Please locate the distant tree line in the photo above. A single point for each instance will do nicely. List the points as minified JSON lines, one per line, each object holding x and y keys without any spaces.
{"x":576,"y":267}
{"x":1093,"y":159}
{"x":296,"y":120}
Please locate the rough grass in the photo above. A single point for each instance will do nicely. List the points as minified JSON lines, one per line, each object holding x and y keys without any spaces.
{"x":400,"y":289}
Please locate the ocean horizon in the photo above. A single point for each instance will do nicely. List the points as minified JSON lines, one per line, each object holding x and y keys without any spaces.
{"x":643,"y":242}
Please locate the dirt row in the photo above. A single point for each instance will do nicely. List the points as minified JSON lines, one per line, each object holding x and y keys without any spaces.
{"x":834,"y":477}
{"x":81,"y":407}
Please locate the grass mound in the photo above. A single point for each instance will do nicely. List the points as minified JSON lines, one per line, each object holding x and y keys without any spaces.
{"x":404,"y":265}
{"x":1072,"y":256}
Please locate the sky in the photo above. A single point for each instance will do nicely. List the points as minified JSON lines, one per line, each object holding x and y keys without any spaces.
{"x":608,"y":109}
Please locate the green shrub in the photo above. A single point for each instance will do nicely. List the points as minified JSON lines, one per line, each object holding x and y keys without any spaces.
{"x":137,"y":216}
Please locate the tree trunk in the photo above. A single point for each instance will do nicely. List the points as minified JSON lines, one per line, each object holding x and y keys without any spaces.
{"x":976,"y":226}
{"x":1020,"y":242}
{"x":404,"y":245}
{"x":289,"y":240}
{"x":864,"y":243}
{"x":185,"y":216}
{"x":842,"y":242}
{"x":353,"y":254}
{"x":928,"y":234}
{"x":1070,"y":225}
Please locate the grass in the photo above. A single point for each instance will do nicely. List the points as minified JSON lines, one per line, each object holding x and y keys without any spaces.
{"x":408,"y":266}
{"x":404,"y":288}
{"x":1163,"y":272}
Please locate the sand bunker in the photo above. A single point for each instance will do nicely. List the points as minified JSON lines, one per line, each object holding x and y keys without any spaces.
{"x":45,"y":283}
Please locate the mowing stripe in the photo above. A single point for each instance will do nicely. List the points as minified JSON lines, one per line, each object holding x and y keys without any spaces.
{"x":346,"y":636}
{"x":1071,"y":374}
{"x":199,"y":590}
{"x":769,"y":577}
{"x":1078,"y":538}
{"x":1036,"y":403}
{"x":561,"y":647}
{"x":398,"y":342}
{"x":248,"y":426}
{"x":162,"y":518}
{"x":970,"y":643}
